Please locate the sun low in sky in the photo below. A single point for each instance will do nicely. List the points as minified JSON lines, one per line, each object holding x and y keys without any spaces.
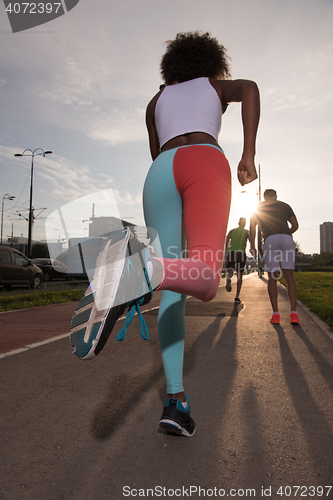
{"x":247,"y":204}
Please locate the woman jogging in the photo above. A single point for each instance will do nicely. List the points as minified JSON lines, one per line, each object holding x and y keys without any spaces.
{"x":187,"y":192}
{"x":189,"y":186}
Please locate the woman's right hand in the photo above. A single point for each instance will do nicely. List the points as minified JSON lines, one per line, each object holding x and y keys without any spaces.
{"x":246,"y":171}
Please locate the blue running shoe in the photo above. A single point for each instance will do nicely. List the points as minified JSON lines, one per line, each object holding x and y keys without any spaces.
{"x":120,"y":280}
{"x":176,"y":419}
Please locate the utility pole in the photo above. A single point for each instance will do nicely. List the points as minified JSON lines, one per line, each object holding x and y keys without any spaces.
{"x":32,"y":154}
{"x":260,"y":259}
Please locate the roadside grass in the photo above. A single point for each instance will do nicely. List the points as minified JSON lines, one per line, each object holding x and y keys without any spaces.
{"x":315,"y":290}
{"x":21,"y":300}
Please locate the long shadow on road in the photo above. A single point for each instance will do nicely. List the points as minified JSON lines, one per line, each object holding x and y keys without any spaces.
{"x":126,"y":391}
{"x":315,"y":425}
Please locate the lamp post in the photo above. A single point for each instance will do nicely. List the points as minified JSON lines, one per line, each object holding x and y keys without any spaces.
{"x":259,"y":241}
{"x":259,"y":230}
{"x":5,"y":197}
{"x":29,"y":152}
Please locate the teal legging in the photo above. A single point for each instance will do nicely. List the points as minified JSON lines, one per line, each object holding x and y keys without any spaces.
{"x":191,"y":183}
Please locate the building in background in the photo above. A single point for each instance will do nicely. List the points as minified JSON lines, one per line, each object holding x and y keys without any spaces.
{"x":326,"y":237}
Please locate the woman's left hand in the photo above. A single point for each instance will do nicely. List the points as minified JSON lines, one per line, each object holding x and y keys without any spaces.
{"x":246,"y":171}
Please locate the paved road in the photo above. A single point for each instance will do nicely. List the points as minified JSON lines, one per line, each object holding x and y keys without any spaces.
{"x":28,"y":328}
{"x":261,"y":396}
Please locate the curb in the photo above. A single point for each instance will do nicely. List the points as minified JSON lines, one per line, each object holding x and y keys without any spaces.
{"x":322,"y":325}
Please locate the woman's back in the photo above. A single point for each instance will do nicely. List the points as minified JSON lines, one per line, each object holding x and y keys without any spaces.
{"x":187,"y":107}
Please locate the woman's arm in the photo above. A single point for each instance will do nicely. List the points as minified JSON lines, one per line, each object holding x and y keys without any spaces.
{"x":246,"y":92}
{"x":154,"y":143}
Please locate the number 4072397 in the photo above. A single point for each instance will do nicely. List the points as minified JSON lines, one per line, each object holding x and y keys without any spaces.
{"x":33,"y":8}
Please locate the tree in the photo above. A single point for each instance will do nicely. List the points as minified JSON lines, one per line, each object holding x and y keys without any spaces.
{"x":321,"y":259}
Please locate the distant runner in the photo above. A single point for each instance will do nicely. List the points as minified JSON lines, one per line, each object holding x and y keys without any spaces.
{"x":236,"y":255}
{"x":278,"y":249}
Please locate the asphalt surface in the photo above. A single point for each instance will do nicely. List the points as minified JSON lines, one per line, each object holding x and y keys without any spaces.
{"x":261,"y":396}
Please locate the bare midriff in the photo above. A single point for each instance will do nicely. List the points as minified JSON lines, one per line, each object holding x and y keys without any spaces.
{"x":189,"y":139}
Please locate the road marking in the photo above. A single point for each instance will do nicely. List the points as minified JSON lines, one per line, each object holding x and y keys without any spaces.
{"x":54,"y":339}
{"x":63,"y":335}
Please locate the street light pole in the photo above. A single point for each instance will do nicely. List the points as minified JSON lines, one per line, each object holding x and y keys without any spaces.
{"x":32,"y":154}
{"x":259,"y":240}
{"x":5,"y":197}
{"x":31,"y":213}
{"x":259,"y":230}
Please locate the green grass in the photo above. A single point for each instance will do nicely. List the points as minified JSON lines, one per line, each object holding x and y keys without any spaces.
{"x":315,"y":290}
{"x":18,"y":300}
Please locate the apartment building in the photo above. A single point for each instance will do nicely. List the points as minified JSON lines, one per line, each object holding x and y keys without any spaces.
{"x":326,"y":237}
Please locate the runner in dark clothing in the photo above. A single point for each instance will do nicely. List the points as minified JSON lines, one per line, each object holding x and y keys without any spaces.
{"x":273,"y":217}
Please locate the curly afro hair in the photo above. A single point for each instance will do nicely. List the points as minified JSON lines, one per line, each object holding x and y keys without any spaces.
{"x":194,"y":55}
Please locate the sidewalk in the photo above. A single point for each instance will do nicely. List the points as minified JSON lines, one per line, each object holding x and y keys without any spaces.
{"x":261,"y":396}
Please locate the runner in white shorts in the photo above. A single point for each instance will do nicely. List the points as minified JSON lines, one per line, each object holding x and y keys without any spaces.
{"x":274,"y":217}
{"x":279,"y":248}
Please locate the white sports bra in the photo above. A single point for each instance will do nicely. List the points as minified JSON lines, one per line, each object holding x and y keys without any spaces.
{"x":191,"y":106}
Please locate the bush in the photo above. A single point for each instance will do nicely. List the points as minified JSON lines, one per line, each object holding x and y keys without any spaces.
{"x":317,"y":269}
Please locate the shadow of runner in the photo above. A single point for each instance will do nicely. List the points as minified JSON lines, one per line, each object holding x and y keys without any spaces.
{"x":99,"y":461}
{"x":213,"y":386}
{"x":317,"y":430}
{"x":240,"y":452}
{"x":324,"y":366}
{"x":254,"y":446}
{"x":126,"y":391}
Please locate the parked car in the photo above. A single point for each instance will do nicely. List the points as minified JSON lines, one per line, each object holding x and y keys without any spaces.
{"x":17,"y":269}
{"x":51,"y":270}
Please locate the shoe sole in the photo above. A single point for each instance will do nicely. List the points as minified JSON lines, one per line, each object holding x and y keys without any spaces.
{"x":174,"y":428}
{"x":94,"y":319}
{"x":228,"y":287}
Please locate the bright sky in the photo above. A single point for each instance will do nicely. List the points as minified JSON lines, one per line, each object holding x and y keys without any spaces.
{"x":79,"y":86}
